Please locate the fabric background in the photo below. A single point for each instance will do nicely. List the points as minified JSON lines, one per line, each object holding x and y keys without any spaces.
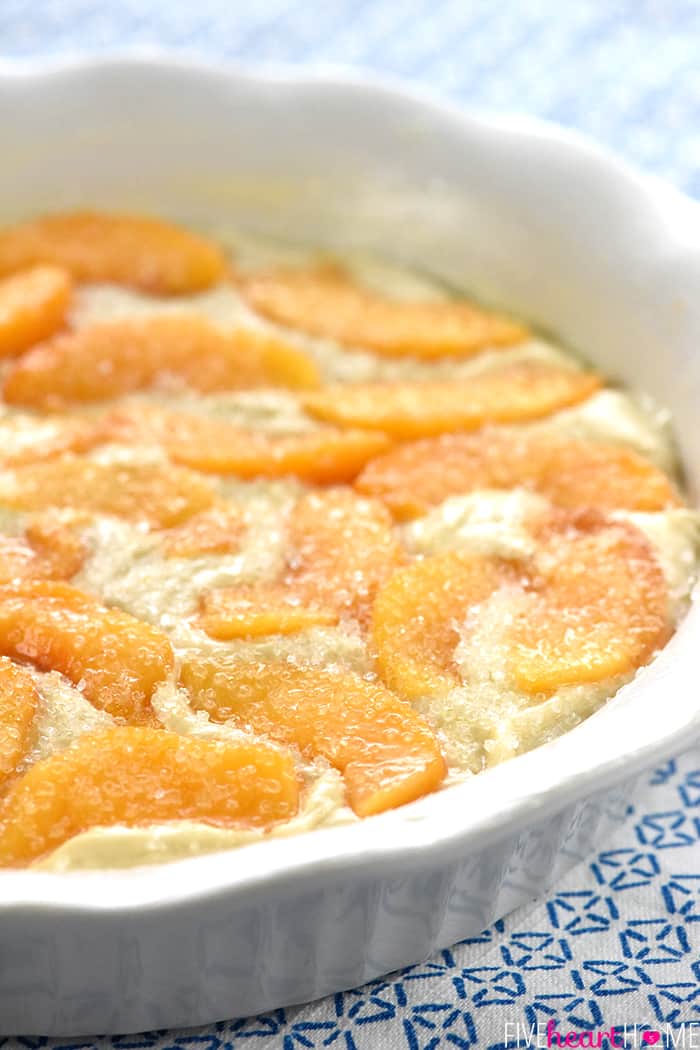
{"x":619,"y":941}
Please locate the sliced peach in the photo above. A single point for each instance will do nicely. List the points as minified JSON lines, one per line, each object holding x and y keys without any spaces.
{"x":419,"y":475}
{"x":57,"y":544}
{"x":597,"y":608}
{"x":507,"y":394}
{"x":146,"y":253}
{"x":387,"y":753}
{"x":326,"y":302}
{"x":113,"y":358}
{"x":215,"y":531}
{"x":341,"y":548}
{"x":136,"y":777}
{"x":33,"y":305}
{"x":322,"y":455}
{"x":592,"y":605}
{"x":160,"y":494}
{"x":417,"y":613}
{"x":18,"y":705}
{"x":251,"y":611}
{"x":113,"y":658}
{"x":49,"y":549}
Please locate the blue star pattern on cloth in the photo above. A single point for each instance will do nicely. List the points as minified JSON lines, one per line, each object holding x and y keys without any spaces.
{"x":618,"y":943}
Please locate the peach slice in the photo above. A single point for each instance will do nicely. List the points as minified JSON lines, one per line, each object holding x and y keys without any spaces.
{"x":416,"y":616}
{"x":145,"y":253}
{"x":592,"y":605}
{"x":597,"y":608}
{"x":114,"y":358}
{"x":326,"y":302}
{"x":216,"y":531}
{"x":414,"y":477}
{"x":114,"y":659}
{"x":323,"y":455}
{"x":33,"y":305}
{"x":387,"y":753}
{"x":137,"y":777}
{"x":252,"y":611}
{"x":507,"y":394}
{"x":49,"y":549}
{"x":341,"y":548}
{"x":18,"y":705}
{"x":160,"y":494}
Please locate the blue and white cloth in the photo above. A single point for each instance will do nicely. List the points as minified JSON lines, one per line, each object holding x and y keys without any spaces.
{"x":617,"y":946}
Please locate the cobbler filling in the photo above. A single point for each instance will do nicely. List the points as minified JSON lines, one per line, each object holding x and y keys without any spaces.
{"x":288,"y":541}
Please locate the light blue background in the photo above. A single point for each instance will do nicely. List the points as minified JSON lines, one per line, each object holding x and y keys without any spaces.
{"x":626,"y":71}
{"x":620,"y":939}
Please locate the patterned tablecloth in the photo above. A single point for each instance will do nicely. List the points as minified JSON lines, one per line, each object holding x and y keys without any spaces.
{"x":618,"y":943}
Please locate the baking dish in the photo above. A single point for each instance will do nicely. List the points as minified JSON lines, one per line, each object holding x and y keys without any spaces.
{"x":526,"y":216}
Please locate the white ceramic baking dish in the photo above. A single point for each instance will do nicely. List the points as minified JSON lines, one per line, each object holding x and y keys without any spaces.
{"x":525,"y":215}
